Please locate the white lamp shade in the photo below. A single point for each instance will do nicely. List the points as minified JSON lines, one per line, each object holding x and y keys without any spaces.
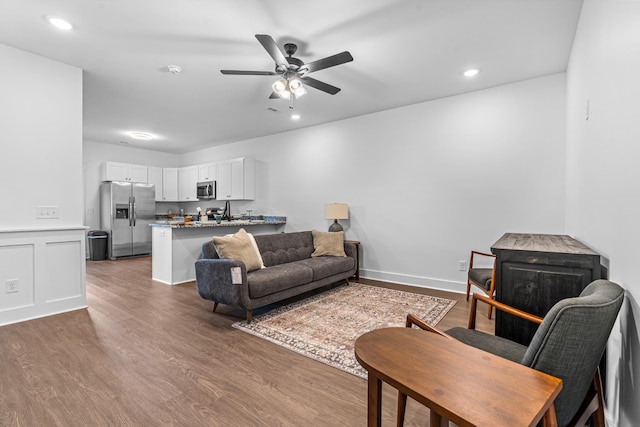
{"x":336,"y":211}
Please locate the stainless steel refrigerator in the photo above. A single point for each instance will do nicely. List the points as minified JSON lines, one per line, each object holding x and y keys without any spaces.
{"x":126,"y":210}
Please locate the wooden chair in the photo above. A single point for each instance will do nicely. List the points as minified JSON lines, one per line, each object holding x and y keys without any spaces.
{"x":482,"y":278}
{"x":568,"y":344}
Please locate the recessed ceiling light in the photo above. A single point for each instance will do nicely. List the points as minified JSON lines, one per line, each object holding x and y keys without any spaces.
{"x":174,"y":69}
{"x":471,"y":72}
{"x":59,"y":22}
{"x":141,"y":135}
{"x":295,"y":116}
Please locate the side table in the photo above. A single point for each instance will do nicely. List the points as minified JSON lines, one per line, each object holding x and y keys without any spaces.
{"x":435,"y":371}
{"x":357,"y":243}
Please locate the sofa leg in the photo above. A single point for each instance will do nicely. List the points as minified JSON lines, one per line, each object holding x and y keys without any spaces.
{"x":249,"y":315}
{"x":215,"y":305}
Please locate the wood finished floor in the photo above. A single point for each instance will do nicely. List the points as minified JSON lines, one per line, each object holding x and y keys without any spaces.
{"x":148,"y":354}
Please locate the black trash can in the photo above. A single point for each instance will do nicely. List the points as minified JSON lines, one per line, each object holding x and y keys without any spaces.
{"x":97,"y":245}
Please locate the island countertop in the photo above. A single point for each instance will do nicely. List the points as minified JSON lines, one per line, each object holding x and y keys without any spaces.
{"x":176,"y":247}
{"x":211,"y":224}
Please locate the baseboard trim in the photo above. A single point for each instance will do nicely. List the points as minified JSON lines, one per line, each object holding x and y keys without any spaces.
{"x":418,"y":281}
{"x":28,"y":317}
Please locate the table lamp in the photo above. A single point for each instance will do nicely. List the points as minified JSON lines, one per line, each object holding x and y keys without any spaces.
{"x":336,"y":211}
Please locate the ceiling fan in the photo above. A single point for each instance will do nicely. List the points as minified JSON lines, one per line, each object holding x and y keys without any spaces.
{"x":293,"y":71}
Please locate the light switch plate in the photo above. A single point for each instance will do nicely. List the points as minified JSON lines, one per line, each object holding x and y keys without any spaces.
{"x":47,"y":212}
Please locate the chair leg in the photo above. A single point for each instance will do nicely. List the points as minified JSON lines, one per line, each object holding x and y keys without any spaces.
{"x":249,"y":315}
{"x":402,"y":406}
{"x":598,"y":415}
{"x":468,"y":289}
{"x":489,"y":312}
{"x":592,"y":407}
{"x":215,"y":305}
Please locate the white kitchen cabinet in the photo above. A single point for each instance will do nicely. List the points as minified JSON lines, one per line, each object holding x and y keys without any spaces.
{"x":208,"y":172}
{"x":169,"y":184}
{"x":154,"y":176}
{"x":113,"y":171}
{"x":187,"y":184}
{"x":236,"y":179}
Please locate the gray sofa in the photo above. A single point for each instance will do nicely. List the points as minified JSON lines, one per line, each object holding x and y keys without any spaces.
{"x":290,"y":271}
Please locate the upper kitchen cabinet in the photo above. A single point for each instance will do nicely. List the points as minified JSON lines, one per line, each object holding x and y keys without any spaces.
{"x":236,"y":179}
{"x":154,"y":177}
{"x":187,"y":184}
{"x":113,"y":171}
{"x":208,"y":172}
{"x":169,"y":184}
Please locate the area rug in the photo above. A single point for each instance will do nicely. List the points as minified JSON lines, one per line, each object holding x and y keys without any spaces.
{"x":325,"y":327}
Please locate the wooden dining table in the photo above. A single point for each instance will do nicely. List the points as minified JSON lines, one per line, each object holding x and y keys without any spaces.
{"x":457,"y":382}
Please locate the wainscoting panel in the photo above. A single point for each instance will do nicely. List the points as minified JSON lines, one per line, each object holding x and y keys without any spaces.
{"x":49,"y":266}
{"x":17,"y":263}
{"x":64,"y":279}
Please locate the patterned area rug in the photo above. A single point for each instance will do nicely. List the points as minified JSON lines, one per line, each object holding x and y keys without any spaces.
{"x":325,"y":327}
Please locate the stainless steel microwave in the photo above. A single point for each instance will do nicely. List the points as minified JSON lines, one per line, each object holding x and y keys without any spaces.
{"x":207,"y":190}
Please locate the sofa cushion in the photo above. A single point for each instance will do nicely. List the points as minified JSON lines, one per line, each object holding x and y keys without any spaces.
{"x":238,"y":246}
{"x":284,"y":247}
{"x":328,"y":243}
{"x":325,"y":266}
{"x":278,"y":278}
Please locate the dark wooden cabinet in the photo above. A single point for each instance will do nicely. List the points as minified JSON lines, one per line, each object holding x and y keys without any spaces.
{"x":534,"y":271}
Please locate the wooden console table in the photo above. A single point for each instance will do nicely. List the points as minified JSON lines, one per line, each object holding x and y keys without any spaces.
{"x":357,"y":243}
{"x":435,"y":371}
{"x":535,"y":271}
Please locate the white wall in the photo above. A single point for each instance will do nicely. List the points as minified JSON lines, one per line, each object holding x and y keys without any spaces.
{"x":603,"y":174}
{"x":425,"y":183}
{"x":41,"y":165}
{"x":41,"y":134}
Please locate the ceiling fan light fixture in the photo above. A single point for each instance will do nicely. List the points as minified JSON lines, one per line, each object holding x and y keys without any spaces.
{"x":296,"y":87}
{"x":279,"y":86}
{"x":285,"y":94}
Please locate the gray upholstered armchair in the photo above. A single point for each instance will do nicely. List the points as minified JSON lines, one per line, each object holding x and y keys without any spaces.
{"x":568,"y":344}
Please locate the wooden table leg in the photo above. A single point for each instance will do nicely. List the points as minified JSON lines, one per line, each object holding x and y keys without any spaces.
{"x":549,"y":419}
{"x":374,"y":401}
{"x":436,"y":420}
{"x":402,"y":406}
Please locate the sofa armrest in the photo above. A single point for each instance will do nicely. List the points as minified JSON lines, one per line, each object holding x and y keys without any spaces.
{"x":351,"y":250}
{"x":209,"y":251}
{"x":214,"y":280}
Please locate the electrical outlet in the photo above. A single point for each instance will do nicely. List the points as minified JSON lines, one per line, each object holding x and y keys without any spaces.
{"x":12,"y":285}
{"x":462,"y":265}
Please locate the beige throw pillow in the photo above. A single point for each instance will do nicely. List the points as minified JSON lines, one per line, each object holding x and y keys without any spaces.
{"x":255,"y":246}
{"x":238,"y":246}
{"x":328,"y":243}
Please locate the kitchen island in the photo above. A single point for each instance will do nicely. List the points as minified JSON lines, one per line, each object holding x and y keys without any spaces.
{"x":176,"y":247}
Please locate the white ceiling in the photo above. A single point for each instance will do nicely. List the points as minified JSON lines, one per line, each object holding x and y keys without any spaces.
{"x":405,"y":52}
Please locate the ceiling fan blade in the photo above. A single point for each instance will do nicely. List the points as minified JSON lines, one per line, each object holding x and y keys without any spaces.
{"x":249,"y":73}
{"x":272,"y":48}
{"x":329,"y":61}
{"x":325,"y":87}
{"x":274,"y":96}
